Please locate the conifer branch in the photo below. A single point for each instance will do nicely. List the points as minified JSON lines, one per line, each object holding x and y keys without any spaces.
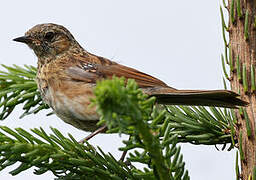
{"x":64,"y":157}
{"x":18,"y":86}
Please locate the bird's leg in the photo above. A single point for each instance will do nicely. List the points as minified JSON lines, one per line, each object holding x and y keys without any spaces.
{"x":123,"y":156}
{"x":100,"y":130}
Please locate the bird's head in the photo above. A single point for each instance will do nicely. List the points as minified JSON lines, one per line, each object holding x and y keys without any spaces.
{"x":48,"y":40}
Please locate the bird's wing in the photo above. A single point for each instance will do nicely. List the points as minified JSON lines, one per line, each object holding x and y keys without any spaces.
{"x":91,"y":69}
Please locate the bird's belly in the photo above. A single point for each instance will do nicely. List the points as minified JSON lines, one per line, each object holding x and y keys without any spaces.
{"x":73,"y":108}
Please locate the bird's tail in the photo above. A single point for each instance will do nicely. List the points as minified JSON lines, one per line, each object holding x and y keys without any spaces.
{"x":218,"y":98}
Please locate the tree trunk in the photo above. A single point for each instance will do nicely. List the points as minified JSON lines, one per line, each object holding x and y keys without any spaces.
{"x":242,"y":61}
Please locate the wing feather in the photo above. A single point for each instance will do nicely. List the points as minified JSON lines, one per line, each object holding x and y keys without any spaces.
{"x":91,"y":69}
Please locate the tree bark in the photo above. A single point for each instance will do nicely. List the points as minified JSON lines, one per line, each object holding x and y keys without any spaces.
{"x":242,"y":43}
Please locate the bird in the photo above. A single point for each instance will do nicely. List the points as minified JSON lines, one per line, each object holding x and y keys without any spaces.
{"x":67,"y":75}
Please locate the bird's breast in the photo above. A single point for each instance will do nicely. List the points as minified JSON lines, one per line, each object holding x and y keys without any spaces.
{"x":70,"y":101}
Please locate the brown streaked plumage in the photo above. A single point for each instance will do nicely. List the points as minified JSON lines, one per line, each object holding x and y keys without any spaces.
{"x":67,"y":74}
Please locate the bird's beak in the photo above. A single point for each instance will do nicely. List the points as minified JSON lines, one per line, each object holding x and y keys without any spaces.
{"x":24,"y":39}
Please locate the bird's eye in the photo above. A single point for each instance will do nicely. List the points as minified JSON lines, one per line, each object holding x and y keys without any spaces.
{"x":49,"y":36}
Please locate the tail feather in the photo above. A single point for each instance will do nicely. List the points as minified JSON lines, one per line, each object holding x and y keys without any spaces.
{"x":218,"y":98}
